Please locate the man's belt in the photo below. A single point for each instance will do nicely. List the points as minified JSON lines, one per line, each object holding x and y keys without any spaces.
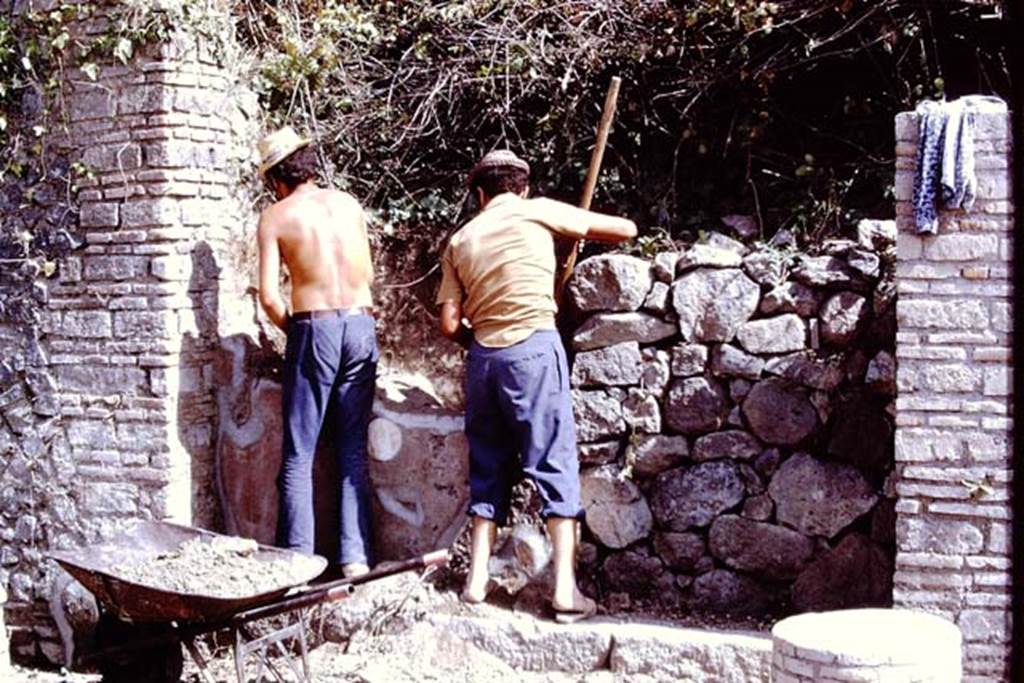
{"x":332,"y":313}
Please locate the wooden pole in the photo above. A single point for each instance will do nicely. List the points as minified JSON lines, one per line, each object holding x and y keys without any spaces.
{"x":568,"y":262}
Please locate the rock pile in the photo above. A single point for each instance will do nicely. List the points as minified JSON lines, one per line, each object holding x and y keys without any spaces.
{"x":734,"y":412}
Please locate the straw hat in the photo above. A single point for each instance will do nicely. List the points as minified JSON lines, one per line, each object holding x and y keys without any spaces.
{"x":497,"y":159}
{"x":276,"y":147}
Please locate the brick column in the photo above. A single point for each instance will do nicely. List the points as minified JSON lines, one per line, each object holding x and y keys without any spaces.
{"x":953,"y":436}
{"x":131,"y":322}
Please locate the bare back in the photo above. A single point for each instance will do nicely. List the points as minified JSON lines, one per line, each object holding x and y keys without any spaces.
{"x":321,"y":236}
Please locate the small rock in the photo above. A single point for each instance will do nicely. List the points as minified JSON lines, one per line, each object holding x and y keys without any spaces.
{"x":836,"y":246}
{"x":842,"y":318}
{"x":828,"y":272}
{"x":768,"y":462}
{"x":598,"y":414}
{"x":791,"y":297}
{"x":713,"y":303}
{"x":617,"y":512}
{"x":729,"y":361}
{"x":617,"y":365}
{"x":610,"y":282}
{"x":744,"y":226}
{"x":876,"y":235}
{"x":765,"y":549}
{"x":808,"y":369}
{"x":642,"y":412}
{"x":689,"y":359}
{"x":721,"y":590}
{"x":779,"y":414}
{"x":768,"y":268}
{"x":632,"y":573}
{"x":738,"y":389}
{"x":606,"y":329}
{"x":688,"y":497}
{"x":780,"y":334}
{"x":655,"y":453}
{"x":881,"y":374}
{"x":706,"y":256}
{"x":854,"y":574}
{"x":722,"y":241}
{"x":758,"y":508}
{"x":657,"y":299}
{"x":751,"y":479}
{"x":656,"y":371}
{"x":819,"y":498}
{"x":664,"y":268}
{"x":822,"y":403}
{"x":599,"y":453}
{"x":735,"y":418}
{"x":695,"y":405}
{"x":865,"y":263}
{"x":856,"y":366}
{"x":783,"y":239}
{"x":680,"y":551}
{"x":734,"y":444}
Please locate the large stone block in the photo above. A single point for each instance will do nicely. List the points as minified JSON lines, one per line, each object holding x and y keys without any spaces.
{"x":99,"y":215}
{"x":712,"y":304}
{"x":779,"y":413}
{"x":86,"y":324}
{"x":110,"y":499}
{"x":655,"y":453}
{"x":856,"y":573}
{"x":763,"y":549}
{"x":598,"y":414}
{"x":819,"y":498}
{"x":696,"y":405}
{"x":607,"y":329}
{"x":150,"y":212}
{"x":106,"y":268}
{"x":612,"y":282}
{"x":617,"y":512}
{"x":693,"y":496}
{"x":939,"y":536}
{"x":779,"y":334}
{"x":101,"y":379}
{"x":617,"y":365}
{"x":956,"y":314}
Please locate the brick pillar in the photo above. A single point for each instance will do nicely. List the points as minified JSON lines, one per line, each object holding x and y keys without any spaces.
{"x":124,"y":336}
{"x":953,"y":435}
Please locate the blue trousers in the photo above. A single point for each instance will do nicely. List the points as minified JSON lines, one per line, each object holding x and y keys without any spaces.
{"x":330,"y":372}
{"x":519,"y":420}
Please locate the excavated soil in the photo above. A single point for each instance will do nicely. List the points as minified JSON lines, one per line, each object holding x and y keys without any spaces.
{"x":222,"y":568}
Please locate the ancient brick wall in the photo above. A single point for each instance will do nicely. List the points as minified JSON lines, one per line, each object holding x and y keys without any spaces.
{"x":953,"y":435}
{"x":107,"y":394}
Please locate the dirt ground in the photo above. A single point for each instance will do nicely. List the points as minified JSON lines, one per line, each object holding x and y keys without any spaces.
{"x":381,"y":636}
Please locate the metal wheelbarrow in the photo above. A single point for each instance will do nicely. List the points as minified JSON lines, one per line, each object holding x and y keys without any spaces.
{"x":145,"y":626}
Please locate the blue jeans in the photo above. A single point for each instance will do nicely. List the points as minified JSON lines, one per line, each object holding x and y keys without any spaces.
{"x":330,"y":370}
{"x":519,"y":420}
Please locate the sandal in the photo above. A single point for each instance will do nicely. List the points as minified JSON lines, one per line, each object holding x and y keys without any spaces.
{"x":572,"y":616}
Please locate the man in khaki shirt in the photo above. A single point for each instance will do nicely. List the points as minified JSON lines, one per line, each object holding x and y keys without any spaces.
{"x":499,"y":274}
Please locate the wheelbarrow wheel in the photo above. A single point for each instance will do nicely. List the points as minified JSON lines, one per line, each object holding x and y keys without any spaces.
{"x":154,"y":666}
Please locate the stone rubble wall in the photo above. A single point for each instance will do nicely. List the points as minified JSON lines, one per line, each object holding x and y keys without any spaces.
{"x":954,"y":428}
{"x":734,"y":408}
{"x":106,"y":389}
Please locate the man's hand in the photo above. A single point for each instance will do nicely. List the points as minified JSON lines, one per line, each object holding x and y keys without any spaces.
{"x":452,"y":325}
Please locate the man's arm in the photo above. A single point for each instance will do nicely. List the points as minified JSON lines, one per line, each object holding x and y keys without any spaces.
{"x":451,"y":323}
{"x":604,"y":228}
{"x":270,"y":274}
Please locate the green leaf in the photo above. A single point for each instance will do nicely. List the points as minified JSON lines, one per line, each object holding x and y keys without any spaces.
{"x":91,"y":70}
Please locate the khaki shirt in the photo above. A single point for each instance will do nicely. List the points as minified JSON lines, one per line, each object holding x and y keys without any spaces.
{"x":501,"y":267}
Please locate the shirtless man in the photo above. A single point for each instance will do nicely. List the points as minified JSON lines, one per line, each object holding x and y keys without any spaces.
{"x":331,"y":355}
{"x":499,"y":273}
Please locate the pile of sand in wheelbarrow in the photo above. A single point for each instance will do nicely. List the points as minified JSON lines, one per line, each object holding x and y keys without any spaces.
{"x":220,"y":567}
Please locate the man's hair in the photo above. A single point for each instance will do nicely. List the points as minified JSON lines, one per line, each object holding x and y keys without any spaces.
{"x":296,"y":168}
{"x":498,"y":179}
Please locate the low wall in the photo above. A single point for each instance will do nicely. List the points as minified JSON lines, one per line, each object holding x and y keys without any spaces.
{"x":734,"y":409}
